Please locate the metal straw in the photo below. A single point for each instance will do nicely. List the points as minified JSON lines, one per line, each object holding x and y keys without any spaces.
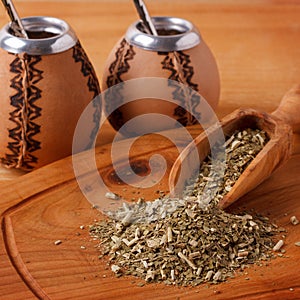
{"x":16,"y":23}
{"x":145,"y":17}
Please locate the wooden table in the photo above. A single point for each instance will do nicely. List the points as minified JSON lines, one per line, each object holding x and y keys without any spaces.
{"x":256,"y":45}
{"x":257,"y":48}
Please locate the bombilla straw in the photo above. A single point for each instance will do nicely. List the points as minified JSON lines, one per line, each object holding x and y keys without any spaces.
{"x":145,"y":17}
{"x":16,"y":23}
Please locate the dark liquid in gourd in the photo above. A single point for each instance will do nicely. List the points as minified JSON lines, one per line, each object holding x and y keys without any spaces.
{"x":35,"y":35}
{"x":168,"y":32}
{"x":161,"y":31}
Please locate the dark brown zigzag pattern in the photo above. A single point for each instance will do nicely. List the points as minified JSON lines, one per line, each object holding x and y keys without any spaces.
{"x":113,"y":97}
{"x":25,"y":113}
{"x":181,"y":71}
{"x":87,"y":70}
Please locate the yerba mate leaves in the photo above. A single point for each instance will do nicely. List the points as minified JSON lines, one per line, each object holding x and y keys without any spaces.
{"x":189,"y":246}
{"x":183,"y":241}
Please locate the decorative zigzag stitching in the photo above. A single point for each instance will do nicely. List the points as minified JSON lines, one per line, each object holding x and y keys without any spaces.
{"x":87,"y":70}
{"x":118,"y":67}
{"x":26,"y":111}
{"x":178,"y":63}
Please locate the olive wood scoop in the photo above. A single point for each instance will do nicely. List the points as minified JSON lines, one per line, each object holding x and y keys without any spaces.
{"x":279,"y":127}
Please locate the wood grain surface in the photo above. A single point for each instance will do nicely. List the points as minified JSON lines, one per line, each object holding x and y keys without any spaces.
{"x":47,"y":205}
{"x":256,"y":44}
{"x":257,"y":48}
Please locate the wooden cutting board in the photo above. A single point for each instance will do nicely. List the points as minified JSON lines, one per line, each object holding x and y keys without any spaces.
{"x":47,"y":205}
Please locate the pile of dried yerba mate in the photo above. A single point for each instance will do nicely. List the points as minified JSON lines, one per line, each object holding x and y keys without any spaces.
{"x":184,"y":242}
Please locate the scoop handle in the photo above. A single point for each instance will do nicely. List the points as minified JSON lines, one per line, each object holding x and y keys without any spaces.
{"x":289,"y":108}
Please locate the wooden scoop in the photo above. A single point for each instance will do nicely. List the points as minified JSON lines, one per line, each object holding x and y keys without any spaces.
{"x":279,"y":127}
